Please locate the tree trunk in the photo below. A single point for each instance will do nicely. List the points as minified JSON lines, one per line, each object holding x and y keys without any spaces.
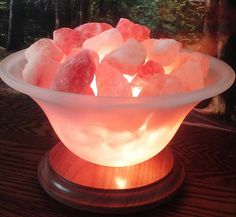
{"x":57,"y":5}
{"x":210,"y":28}
{"x":227,"y":51}
{"x":225,"y":103}
{"x":84,"y":11}
{"x":48,"y":18}
{"x":62,"y":13}
{"x":101,"y":8}
{"x":16,"y":25}
{"x":115,"y":11}
{"x":227,"y":19}
{"x":75,"y":13}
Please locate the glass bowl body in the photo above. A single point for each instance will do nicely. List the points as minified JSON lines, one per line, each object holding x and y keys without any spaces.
{"x":115,"y":131}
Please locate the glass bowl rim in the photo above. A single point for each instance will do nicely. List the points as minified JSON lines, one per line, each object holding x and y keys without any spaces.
{"x":227,"y":77}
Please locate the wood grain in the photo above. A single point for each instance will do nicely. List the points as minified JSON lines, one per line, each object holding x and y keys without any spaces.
{"x":112,"y":201}
{"x":25,"y":135}
{"x":82,"y":172}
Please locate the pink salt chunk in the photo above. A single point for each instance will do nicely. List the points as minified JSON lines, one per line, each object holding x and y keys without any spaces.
{"x":88,"y":91}
{"x":157,"y":85}
{"x":43,"y":48}
{"x":163,"y":51}
{"x":150,"y":68}
{"x":131,"y":30}
{"x":201,"y":59}
{"x":92,"y":29}
{"x":110,"y":81}
{"x":190,"y":74}
{"x":128,"y":57}
{"x":104,"y":42}
{"x":76,"y":73}
{"x":67,"y":39}
{"x":73,"y":52}
{"x":40,"y":71}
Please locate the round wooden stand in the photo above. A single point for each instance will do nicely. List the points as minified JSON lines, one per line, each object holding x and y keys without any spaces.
{"x":96,"y":188}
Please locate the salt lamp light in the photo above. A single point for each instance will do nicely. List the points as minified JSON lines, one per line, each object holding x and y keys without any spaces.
{"x":112,"y":156}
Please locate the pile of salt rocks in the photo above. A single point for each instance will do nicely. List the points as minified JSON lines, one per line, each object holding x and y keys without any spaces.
{"x":122,"y":61}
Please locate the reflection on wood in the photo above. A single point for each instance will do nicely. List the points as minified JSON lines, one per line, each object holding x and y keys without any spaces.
{"x":110,"y":200}
{"x":82,"y":172}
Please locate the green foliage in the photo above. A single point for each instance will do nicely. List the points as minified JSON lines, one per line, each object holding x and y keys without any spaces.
{"x":169,"y":17}
{"x":181,"y":19}
{"x":111,"y":11}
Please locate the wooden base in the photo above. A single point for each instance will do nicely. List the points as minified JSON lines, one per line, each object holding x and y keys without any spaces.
{"x":96,"y":188}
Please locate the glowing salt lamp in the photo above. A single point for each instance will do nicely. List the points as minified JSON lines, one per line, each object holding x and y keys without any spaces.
{"x":113,"y":155}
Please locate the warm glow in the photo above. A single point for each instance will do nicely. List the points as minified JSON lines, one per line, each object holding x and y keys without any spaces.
{"x":129,"y":78}
{"x":63,"y":59}
{"x":110,"y":131}
{"x":136,"y":91}
{"x":146,"y":60}
{"x":172,"y":66}
{"x":132,"y":149}
{"x":93,"y":85}
{"x":168,"y":69}
{"x":103,"y":52}
{"x":120,"y":147}
{"x":121,"y":182}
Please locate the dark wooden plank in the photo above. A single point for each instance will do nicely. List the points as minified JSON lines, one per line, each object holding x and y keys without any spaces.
{"x":209,"y":156}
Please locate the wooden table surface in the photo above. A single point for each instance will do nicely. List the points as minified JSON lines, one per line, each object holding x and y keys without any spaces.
{"x":207,"y":149}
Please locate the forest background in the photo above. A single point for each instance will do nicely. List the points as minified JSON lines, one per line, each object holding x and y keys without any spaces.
{"x":208,"y":26}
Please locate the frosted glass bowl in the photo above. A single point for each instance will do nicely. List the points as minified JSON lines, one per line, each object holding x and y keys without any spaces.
{"x":115,"y":131}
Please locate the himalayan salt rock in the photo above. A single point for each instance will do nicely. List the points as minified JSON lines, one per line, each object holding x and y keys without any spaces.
{"x":76,"y":73}
{"x":88,"y":91}
{"x":92,"y":29}
{"x":157,"y":85}
{"x":131,"y":30}
{"x":190,"y":74}
{"x":104,"y":42}
{"x":150,"y":68}
{"x":43,"y":60}
{"x":43,"y":48}
{"x":200,"y":59}
{"x":40,"y":72}
{"x":163,"y":51}
{"x":128,"y":57}
{"x":73,"y":52}
{"x":168,"y":69}
{"x":67,"y":39}
{"x":110,"y":81}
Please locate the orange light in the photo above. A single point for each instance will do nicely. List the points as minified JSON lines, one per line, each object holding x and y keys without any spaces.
{"x":93,"y":85}
{"x":103,"y":52}
{"x":136,"y":91}
{"x":129,"y":78}
{"x":168,"y":69}
{"x":121,"y":182}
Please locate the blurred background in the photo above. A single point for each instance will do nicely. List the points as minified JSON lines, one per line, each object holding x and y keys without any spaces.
{"x":186,"y":20}
{"x":208,"y":26}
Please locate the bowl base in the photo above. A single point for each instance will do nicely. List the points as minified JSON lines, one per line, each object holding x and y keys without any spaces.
{"x":119,"y":197}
